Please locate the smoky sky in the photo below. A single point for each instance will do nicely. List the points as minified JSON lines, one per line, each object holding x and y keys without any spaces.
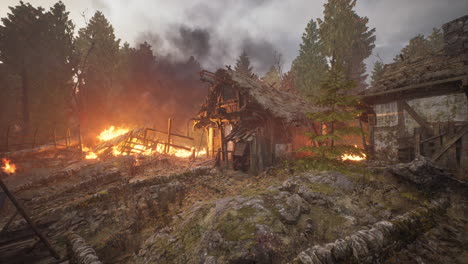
{"x":216,"y":32}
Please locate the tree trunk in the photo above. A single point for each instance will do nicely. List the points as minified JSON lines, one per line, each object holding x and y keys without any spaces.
{"x":25,"y":102}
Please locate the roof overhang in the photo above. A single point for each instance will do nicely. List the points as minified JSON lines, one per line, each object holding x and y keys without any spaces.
{"x":440,"y":87}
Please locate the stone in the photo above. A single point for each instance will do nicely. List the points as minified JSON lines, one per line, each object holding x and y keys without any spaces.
{"x":421,"y":172}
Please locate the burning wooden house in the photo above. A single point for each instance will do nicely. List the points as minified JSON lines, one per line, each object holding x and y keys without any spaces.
{"x":249,"y":124}
{"x":421,"y":105}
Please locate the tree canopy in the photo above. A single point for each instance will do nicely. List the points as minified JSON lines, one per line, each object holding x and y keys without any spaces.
{"x":347,"y":40}
{"x":243,"y":65}
{"x":310,"y":66}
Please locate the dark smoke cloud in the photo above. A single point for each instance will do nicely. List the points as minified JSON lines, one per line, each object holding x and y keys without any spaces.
{"x":261,"y":53}
{"x":192,"y":42}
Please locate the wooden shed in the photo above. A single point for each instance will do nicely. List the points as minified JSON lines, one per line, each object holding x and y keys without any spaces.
{"x":421,"y":105}
{"x":250,"y":124}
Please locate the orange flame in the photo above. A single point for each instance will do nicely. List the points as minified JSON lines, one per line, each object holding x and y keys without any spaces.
{"x":89,"y":154}
{"x":8,"y":167}
{"x":111,"y":133}
{"x":353,"y":157}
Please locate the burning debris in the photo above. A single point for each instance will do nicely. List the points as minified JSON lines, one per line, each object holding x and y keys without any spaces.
{"x":140,"y":141}
{"x":8,"y":167}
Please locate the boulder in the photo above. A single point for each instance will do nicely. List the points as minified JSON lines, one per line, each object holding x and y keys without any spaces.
{"x":421,"y":171}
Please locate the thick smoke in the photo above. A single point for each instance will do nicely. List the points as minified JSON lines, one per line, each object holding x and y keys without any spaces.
{"x":192,"y":42}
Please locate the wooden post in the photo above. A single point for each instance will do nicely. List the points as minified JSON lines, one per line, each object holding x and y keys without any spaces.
{"x":34,"y":138}
{"x":372,"y":124}
{"x":210,"y":142}
{"x":417,"y":142}
{"x":222,"y":143}
{"x":7,"y":137}
{"x":169,"y":125}
{"x":79,"y":138}
{"x":464,"y":156}
{"x":452,"y":151}
{"x":253,"y":156}
{"x":55,"y":138}
{"x":28,"y":220}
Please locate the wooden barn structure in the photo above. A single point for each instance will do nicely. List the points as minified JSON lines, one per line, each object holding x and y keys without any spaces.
{"x":421,"y":105}
{"x":249,"y":124}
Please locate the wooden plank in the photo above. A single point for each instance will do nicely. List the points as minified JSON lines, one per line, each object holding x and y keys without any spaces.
{"x":172,"y":133}
{"x":28,"y":220}
{"x":449,"y":143}
{"x":451,"y":151}
{"x":464,"y":156}
{"x":420,"y":120}
{"x":253,"y":156}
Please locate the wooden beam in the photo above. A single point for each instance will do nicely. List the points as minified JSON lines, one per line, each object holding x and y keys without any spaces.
{"x":28,"y":220}
{"x":169,"y":126}
{"x":449,"y":143}
{"x":172,"y":134}
{"x":420,"y":120}
{"x":413,"y":87}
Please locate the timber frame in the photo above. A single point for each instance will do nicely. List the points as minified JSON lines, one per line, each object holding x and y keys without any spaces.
{"x":249,"y":125}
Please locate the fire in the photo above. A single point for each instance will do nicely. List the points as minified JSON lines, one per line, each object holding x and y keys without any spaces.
{"x":136,"y":147}
{"x":89,"y":154}
{"x":8,"y":167}
{"x":111,"y":133}
{"x":353,"y":157}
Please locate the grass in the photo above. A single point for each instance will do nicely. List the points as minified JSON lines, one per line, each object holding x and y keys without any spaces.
{"x":321,"y":188}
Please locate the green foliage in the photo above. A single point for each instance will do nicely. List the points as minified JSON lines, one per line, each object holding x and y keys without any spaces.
{"x":310,"y":66}
{"x":243,"y":65}
{"x":421,"y":46}
{"x":99,"y":56}
{"x":37,"y":47}
{"x":272,"y":78}
{"x":323,"y":164}
{"x":347,"y":40}
{"x":377,"y":72}
{"x":338,"y":109}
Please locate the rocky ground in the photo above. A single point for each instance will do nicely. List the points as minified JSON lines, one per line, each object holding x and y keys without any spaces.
{"x":167,"y":210}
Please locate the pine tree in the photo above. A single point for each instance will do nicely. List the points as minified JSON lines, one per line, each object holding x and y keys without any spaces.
{"x":243,"y":65}
{"x":272,"y":78}
{"x":347,"y":39}
{"x":377,"y":72}
{"x":420,"y":46}
{"x":339,"y":109}
{"x":310,"y":66}
{"x":99,"y":60}
{"x":37,"y":47}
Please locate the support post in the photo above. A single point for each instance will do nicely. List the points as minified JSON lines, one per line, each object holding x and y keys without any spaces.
{"x":169,"y":125}
{"x":34,"y":138}
{"x":79,"y":138}
{"x":417,"y":142}
{"x":7,"y":137}
{"x":55,"y":138}
{"x":28,"y":220}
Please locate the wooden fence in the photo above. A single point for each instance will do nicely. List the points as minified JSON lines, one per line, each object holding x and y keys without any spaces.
{"x":446,"y":144}
{"x":60,"y":138}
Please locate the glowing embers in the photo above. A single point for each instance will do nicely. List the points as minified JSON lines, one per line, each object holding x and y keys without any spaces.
{"x":353,"y":157}
{"x":89,"y":154}
{"x":8,"y":167}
